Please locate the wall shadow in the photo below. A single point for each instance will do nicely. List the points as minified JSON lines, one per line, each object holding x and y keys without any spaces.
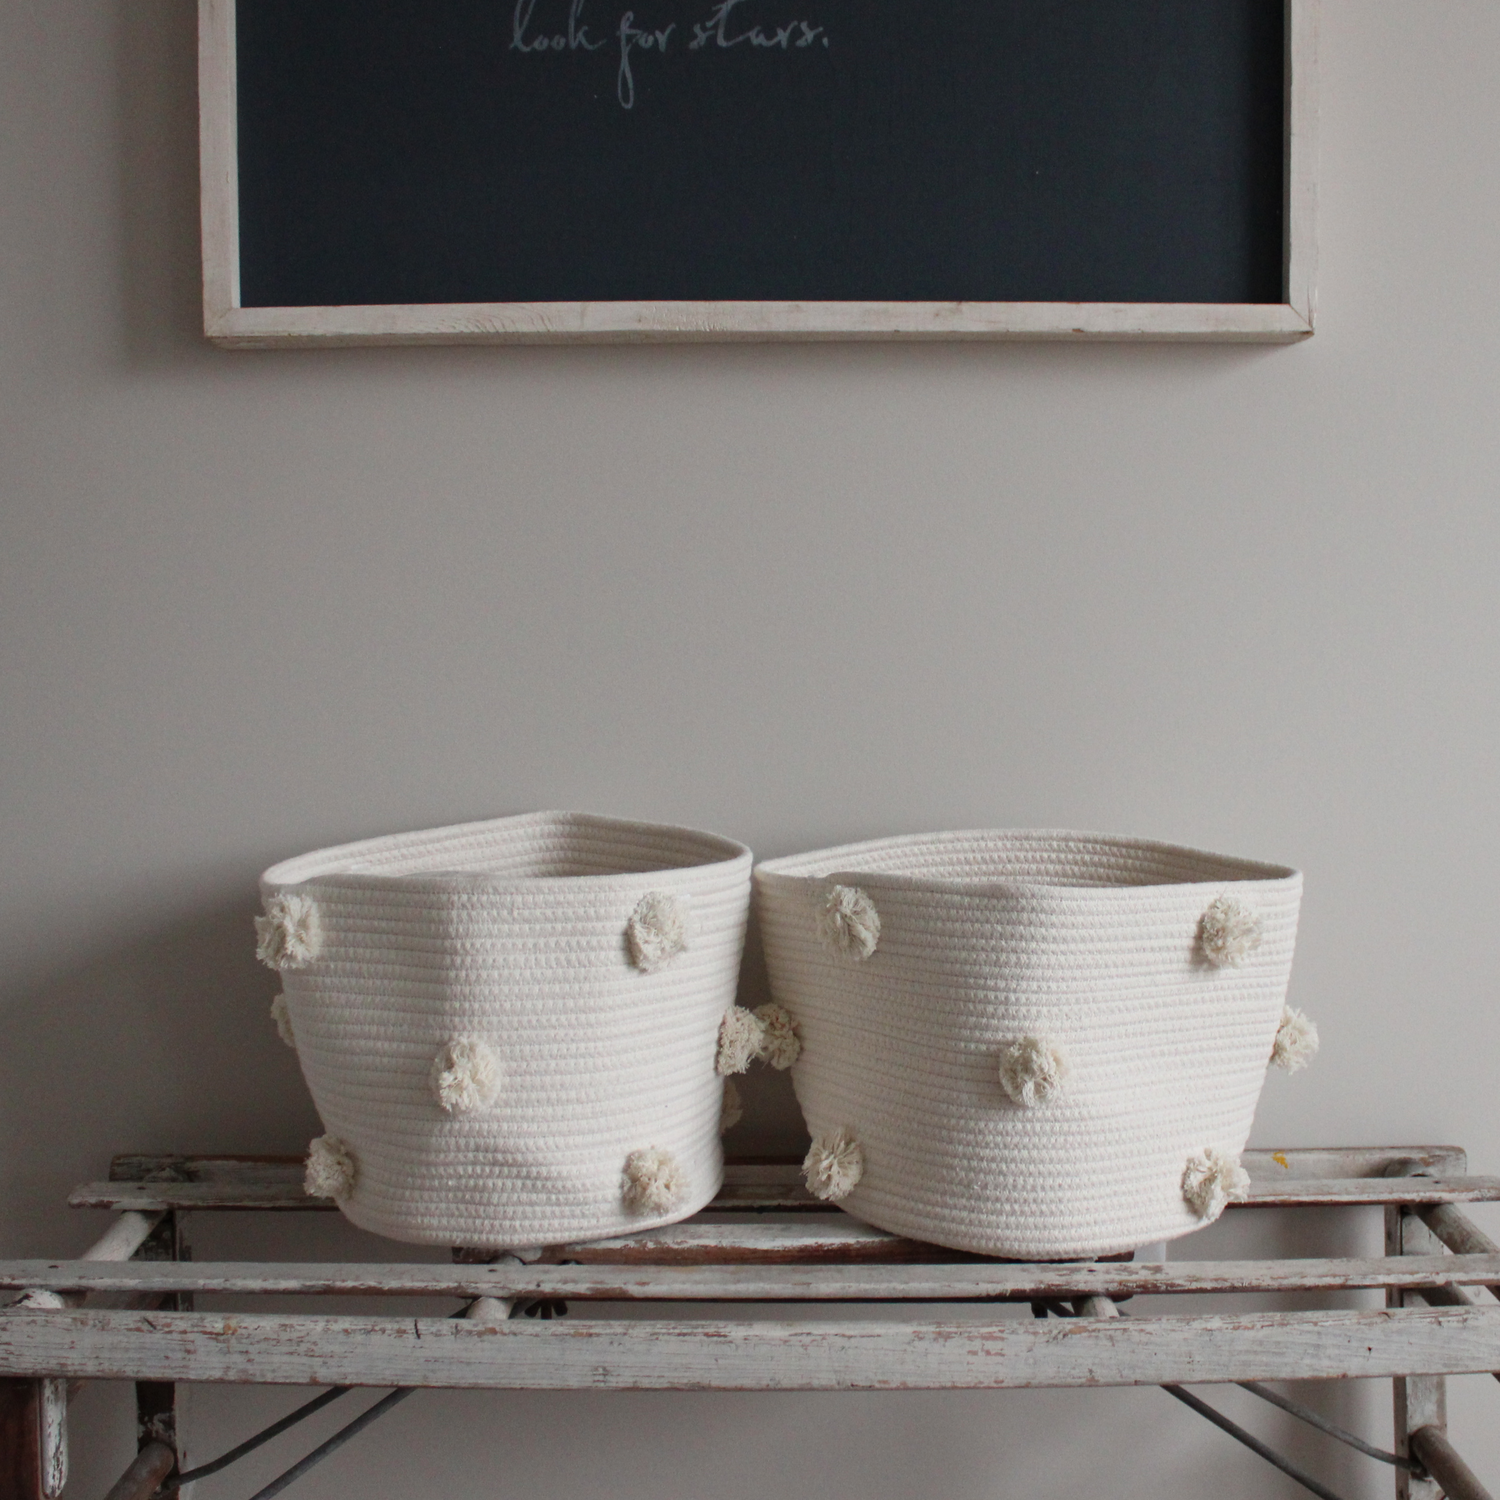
{"x":169,"y":1033}
{"x":156,"y":45}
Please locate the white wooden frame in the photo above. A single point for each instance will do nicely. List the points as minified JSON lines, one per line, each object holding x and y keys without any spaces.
{"x":231,"y":326}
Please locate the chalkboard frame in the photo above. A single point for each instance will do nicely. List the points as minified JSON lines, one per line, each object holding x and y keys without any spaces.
{"x":228,"y":324}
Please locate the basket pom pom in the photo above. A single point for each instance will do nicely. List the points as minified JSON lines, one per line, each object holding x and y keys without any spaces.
{"x":290,"y":935}
{"x":657,"y":931}
{"x":330,"y":1169}
{"x":281,"y":1014}
{"x":849,"y":923}
{"x":780,"y":1045}
{"x":1032,"y":1070}
{"x":654,"y":1182}
{"x":742,"y":1039}
{"x":1229,"y":932}
{"x":732,"y":1111}
{"x":465,"y":1076}
{"x":1296,"y":1041}
{"x":834,"y":1165}
{"x":1212,"y":1180}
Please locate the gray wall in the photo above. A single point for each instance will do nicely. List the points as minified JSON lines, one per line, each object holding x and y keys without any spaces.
{"x":255,"y":603}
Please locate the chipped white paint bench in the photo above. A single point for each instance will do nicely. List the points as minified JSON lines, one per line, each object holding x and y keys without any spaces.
{"x":1440,"y":1319}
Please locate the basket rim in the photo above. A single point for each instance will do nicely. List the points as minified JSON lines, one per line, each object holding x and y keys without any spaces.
{"x":853,"y":863}
{"x":701,"y":854}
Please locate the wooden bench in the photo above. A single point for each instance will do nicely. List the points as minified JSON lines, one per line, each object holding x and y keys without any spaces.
{"x":762,"y":1241}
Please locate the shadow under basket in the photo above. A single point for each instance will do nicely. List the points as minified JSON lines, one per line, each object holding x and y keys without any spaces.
{"x":509,"y":1027}
{"x":1039,"y":1045}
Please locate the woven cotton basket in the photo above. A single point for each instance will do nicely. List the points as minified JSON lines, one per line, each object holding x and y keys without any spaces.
{"x":509,"y":1028}
{"x":1040,"y":1045}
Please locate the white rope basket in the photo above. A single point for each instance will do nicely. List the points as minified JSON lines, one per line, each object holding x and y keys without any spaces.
{"x":1040,"y":1045}
{"x":510,"y":1028}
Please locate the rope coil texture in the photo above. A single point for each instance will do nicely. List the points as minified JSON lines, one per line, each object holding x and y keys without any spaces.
{"x":495,"y":1018}
{"x":1091,"y":944}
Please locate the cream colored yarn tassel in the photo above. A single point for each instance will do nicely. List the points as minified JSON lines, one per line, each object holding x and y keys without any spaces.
{"x":833,"y":1167}
{"x":849,"y":923}
{"x":781,"y":1045}
{"x":1296,"y":1041}
{"x":1032,"y":1071}
{"x":331,"y":1169}
{"x":657,"y":931}
{"x":654,"y":1182}
{"x":290,"y":935}
{"x":1229,"y":932}
{"x":1212,"y":1180}
{"x":742,"y":1039}
{"x":465,"y":1076}
{"x":281,"y":1014}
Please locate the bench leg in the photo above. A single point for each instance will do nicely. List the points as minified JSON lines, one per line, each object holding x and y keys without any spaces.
{"x":33,"y":1439}
{"x":156,"y":1400}
{"x":1420,"y":1400}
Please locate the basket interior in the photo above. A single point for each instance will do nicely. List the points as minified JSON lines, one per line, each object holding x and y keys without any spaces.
{"x":1042,"y":858}
{"x":536,"y":846}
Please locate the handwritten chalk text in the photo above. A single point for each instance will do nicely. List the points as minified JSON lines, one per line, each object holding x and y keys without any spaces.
{"x":576,"y":36}
{"x":724,"y":28}
{"x":716,"y":31}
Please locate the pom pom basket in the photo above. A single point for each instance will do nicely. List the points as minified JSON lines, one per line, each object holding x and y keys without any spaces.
{"x":1020,"y":1043}
{"x":509,"y":1028}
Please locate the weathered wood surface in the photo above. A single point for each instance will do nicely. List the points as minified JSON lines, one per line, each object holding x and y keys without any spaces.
{"x":275,"y":1182}
{"x":785,"y":1172}
{"x":1287,"y":1192}
{"x":1418,"y":1398}
{"x":960,"y":1281}
{"x":1333,"y":1192}
{"x":742,"y":322}
{"x":33,"y":1439}
{"x":54,"y":1437}
{"x":1301,"y":260}
{"x":218,"y":161}
{"x":807,"y":1355}
{"x":156,"y":1400}
{"x":34,"y":1414}
{"x":827,"y":1236}
{"x":1287,"y":1177}
{"x":119,"y":1242}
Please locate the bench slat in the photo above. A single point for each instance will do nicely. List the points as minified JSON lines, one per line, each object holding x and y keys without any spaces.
{"x":651,"y":1354}
{"x":920,"y":1283}
{"x":1265,"y":1191}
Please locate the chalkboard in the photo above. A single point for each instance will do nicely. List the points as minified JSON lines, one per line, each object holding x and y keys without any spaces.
{"x":712,"y":167}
